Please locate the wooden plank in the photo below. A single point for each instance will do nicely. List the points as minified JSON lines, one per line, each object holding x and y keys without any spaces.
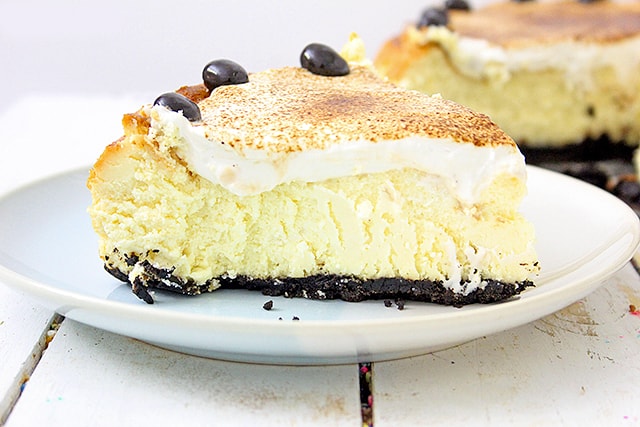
{"x":33,"y":132}
{"x":579,"y":366}
{"x":23,"y":330}
{"x":91,"y":377}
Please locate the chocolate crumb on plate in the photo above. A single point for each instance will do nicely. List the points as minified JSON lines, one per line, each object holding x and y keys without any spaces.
{"x":141,"y":292}
{"x":268,"y":305}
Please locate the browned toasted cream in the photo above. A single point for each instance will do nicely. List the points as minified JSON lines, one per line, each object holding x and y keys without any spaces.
{"x":256,"y":135}
{"x":290,"y":109}
{"x":516,"y":24}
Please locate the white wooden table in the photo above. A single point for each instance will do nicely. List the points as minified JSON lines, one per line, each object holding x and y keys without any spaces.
{"x":579,"y":366}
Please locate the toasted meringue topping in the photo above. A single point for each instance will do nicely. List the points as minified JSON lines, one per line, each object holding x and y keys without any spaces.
{"x":290,"y":125}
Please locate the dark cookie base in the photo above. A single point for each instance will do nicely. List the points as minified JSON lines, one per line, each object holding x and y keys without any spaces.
{"x":600,"y":162}
{"x":324,"y":287}
{"x":589,"y":150}
{"x":354,"y":290}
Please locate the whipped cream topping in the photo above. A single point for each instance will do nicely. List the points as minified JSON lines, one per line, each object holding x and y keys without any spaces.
{"x":481,"y":59}
{"x":465,"y":168}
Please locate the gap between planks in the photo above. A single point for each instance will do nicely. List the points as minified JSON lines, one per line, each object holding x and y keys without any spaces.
{"x":28,"y":367}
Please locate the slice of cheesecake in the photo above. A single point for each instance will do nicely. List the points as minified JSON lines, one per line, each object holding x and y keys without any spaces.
{"x":315,"y":186}
{"x":550,"y":73}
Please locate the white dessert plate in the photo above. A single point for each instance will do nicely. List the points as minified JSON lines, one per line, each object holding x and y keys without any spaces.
{"x":49,"y":251}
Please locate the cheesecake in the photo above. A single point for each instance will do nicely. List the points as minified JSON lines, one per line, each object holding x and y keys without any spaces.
{"x":303,"y":182}
{"x":551,"y":74}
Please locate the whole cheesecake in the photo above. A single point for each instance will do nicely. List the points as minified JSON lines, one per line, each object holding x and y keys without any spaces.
{"x":302,"y":183}
{"x":550,"y":73}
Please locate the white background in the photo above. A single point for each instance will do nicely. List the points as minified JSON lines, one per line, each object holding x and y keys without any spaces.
{"x":148,"y":47}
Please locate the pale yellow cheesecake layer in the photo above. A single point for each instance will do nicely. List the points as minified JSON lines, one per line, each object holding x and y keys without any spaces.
{"x":400,"y":223}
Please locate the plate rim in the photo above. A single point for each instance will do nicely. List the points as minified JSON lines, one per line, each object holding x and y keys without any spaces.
{"x":47,"y":293}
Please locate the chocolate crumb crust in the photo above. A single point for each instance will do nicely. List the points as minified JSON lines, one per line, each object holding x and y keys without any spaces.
{"x":597,"y":161}
{"x":325,"y":287}
{"x":588,"y":150}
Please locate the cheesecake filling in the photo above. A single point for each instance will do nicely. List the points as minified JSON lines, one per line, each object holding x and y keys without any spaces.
{"x":481,"y":59}
{"x":463,"y":169}
{"x":466,"y":169}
